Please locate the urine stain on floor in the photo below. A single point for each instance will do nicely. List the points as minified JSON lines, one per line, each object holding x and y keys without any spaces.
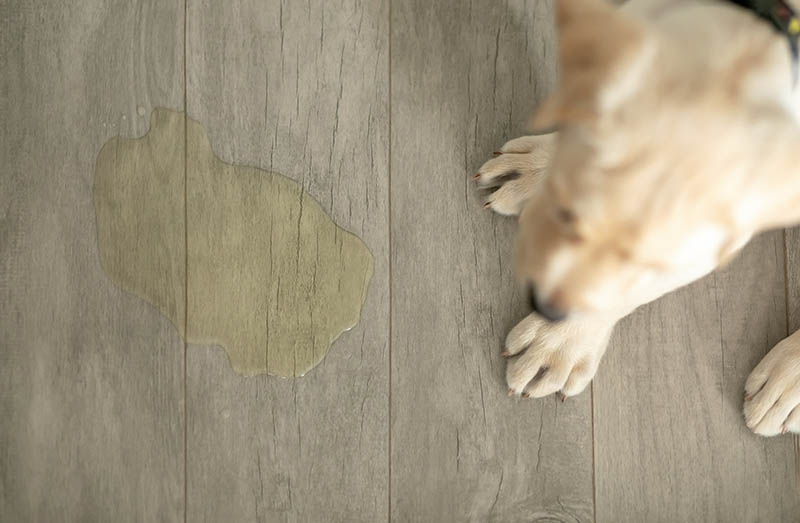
{"x":268,"y":275}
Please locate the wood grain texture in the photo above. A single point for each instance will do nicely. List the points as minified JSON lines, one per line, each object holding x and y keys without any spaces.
{"x":91,"y":377}
{"x":792,"y":249}
{"x":670,"y":439}
{"x":465,"y":77}
{"x":300,"y":88}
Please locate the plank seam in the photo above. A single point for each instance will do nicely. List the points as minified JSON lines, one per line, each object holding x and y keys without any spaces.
{"x":594,"y":454}
{"x":186,"y":266}
{"x":389,"y":195}
{"x":787,"y":306}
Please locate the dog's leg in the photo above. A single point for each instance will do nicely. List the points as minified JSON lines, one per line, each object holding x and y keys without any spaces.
{"x":518,"y":171}
{"x":772,"y":391}
{"x":545,"y":357}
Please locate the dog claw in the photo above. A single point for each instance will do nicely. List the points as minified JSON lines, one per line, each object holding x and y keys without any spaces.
{"x":748,"y":396}
{"x":510,"y":392}
{"x":476,"y":176}
{"x":487,"y":205}
{"x":526,"y":394}
{"x":497,"y":153}
{"x":505,"y":354}
{"x":563,"y":397}
{"x":784,"y":430}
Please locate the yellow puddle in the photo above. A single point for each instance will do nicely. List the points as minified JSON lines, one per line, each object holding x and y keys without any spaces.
{"x":270,"y":277}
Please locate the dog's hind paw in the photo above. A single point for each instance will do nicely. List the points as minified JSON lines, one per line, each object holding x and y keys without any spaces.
{"x":516,"y":172}
{"x":772,"y":391}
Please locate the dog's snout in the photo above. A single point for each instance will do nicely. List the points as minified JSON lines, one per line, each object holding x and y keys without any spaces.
{"x":532,"y":297}
{"x":546,"y":310}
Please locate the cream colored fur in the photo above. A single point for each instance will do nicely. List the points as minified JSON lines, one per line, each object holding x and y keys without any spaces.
{"x":678,"y":141}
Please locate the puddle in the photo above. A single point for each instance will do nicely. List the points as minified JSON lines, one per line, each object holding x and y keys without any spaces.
{"x":271,"y":278}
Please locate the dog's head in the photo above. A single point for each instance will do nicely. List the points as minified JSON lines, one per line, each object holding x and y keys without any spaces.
{"x":652,"y":183}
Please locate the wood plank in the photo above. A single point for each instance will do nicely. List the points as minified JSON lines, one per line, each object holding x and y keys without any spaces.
{"x":792,"y":250}
{"x":792,"y":247}
{"x":671,"y":443}
{"x":465,"y":78}
{"x":299,"y":88}
{"x":91,"y":378}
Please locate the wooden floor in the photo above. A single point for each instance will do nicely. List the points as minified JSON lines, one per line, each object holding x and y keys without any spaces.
{"x":382,"y":110}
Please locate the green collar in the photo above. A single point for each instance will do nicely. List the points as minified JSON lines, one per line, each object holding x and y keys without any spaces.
{"x":781,"y":16}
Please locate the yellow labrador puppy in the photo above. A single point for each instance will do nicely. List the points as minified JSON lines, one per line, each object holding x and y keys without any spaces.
{"x":678,"y":140}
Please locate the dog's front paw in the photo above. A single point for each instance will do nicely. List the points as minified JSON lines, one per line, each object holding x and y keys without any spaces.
{"x":517,"y":171}
{"x":545,"y":357}
{"x":772,"y":391}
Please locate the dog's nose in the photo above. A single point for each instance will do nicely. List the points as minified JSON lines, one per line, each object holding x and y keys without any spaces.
{"x":546,"y":310}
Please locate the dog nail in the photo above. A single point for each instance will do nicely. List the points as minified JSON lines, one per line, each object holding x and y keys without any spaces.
{"x":563,"y":397}
{"x":497,"y":153}
{"x":510,"y":392}
{"x":748,"y":397}
{"x":526,"y":394}
{"x":506,"y":354}
{"x":784,"y":430}
{"x":487,"y":205}
{"x":476,"y":176}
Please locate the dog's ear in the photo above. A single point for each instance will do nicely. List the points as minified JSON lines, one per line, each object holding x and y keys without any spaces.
{"x":604,"y":55}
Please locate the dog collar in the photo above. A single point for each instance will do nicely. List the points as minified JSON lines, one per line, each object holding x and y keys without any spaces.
{"x":783,"y":18}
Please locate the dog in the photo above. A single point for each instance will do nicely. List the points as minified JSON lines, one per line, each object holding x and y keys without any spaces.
{"x":678,"y":138}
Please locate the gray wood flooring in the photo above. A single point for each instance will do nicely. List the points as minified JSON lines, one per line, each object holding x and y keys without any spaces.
{"x":381,"y":110}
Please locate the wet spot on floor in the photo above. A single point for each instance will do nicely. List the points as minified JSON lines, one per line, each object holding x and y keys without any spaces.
{"x":262,"y":270}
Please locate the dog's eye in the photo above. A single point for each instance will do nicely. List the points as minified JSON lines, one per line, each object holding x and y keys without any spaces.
{"x":565,"y":215}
